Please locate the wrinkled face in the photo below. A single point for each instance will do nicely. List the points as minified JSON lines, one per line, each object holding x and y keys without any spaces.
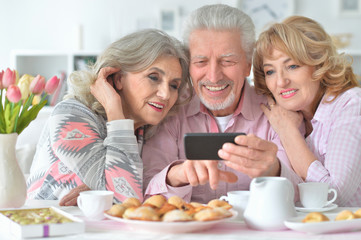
{"x":290,"y":83}
{"x":218,"y":69}
{"x":149,"y":95}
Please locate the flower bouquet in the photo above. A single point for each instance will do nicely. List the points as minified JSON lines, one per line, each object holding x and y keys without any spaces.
{"x":20,"y":102}
{"x":22,"y":99}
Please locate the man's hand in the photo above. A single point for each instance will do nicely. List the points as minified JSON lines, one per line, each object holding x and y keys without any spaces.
{"x":71,"y":198}
{"x":198,"y":172}
{"x":252,"y":156}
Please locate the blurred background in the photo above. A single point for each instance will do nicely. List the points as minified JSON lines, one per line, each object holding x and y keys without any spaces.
{"x":56,"y":37}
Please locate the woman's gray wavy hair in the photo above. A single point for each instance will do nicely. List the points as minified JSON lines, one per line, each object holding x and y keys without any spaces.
{"x":132,"y":53}
{"x":222,"y":17}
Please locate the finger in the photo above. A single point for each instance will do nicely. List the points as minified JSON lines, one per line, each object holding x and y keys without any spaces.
{"x":247,"y":162}
{"x":254,"y":142}
{"x":235,"y":160}
{"x":265,"y":169}
{"x":202,"y":172}
{"x":213,"y":173}
{"x":251,"y":172}
{"x":69,"y":197}
{"x":242,"y":154}
{"x":106,"y":71}
{"x":265,"y":110}
{"x":72,"y":202}
{"x":271,"y":101}
{"x":73,"y":194}
{"x":190,"y":173}
{"x":227,"y":177}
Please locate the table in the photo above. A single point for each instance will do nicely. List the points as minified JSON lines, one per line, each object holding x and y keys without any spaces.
{"x":109,"y":229}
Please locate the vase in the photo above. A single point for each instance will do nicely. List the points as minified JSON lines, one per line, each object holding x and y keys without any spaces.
{"x":12,"y":180}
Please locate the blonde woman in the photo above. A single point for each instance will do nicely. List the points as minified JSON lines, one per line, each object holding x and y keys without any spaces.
{"x":298,"y":67}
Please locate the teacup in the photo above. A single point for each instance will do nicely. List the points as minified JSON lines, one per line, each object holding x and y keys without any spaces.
{"x":93,"y":203}
{"x":239,"y":201}
{"x":315,"y":194}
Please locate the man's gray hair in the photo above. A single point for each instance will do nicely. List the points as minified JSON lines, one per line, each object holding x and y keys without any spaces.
{"x":222,"y":17}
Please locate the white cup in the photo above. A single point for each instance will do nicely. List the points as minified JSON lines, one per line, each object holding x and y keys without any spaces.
{"x":239,"y":201}
{"x":93,"y":203}
{"x":315,"y":194}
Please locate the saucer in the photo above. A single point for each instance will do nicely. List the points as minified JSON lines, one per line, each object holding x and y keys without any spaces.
{"x":323,"y":209}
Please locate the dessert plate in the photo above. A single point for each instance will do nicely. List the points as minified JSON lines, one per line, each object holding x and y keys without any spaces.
{"x":324,"y":209}
{"x":331,"y":226}
{"x":170,"y":227}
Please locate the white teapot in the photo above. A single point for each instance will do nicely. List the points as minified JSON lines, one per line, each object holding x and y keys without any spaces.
{"x":271,"y":202}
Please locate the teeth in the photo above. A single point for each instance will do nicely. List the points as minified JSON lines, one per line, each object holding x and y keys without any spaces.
{"x":156,"y":105}
{"x":215,"y":88}
{"x":288,"y":92}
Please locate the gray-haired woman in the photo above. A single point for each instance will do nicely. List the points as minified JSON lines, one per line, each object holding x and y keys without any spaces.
{"x":94,"y":137}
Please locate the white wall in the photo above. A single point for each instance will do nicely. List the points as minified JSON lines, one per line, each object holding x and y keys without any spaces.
{"x":53,"y":25}
{"x":327,"y":13}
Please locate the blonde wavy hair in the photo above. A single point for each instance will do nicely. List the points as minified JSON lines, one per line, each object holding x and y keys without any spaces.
{"x":132,"y":53}
{"x":307,"y":43}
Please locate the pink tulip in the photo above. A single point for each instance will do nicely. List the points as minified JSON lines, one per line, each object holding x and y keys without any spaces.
{"x":37,"y":85}
{"x":9,"y":78}
{"x":52,"y":84}
{"x":13,"y":93}
{"x":1,"y":79}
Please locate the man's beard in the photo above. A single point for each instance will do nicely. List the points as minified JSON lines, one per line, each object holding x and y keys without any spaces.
{"x":216,"y":106}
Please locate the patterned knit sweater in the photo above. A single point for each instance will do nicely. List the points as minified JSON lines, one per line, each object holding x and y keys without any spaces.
{"x":78,"y":147}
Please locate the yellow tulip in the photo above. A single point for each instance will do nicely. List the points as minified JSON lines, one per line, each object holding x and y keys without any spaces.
{"x":36,"y":100}
{"x":17,"y":76}
{"x":24,"y":85}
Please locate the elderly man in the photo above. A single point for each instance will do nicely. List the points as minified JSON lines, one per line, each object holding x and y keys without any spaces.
{"x":221,"y":42}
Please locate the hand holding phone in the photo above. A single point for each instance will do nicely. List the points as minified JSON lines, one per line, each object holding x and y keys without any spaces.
{"x":205,"y":146}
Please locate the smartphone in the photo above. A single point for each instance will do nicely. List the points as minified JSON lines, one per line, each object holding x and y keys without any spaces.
{"x":205,"y":146}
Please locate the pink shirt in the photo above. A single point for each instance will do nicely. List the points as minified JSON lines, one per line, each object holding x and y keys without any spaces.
{"x":336,"y":142}
{"x":166,"y":146}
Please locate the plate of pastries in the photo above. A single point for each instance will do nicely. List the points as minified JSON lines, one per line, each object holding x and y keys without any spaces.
{"x":317,"y":222}
{"x":173,"y":215}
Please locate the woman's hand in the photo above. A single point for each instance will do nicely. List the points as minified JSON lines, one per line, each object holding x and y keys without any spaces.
{"x":71,"y":198}
{"x":281,"y":119}
{"x":103,"y":89}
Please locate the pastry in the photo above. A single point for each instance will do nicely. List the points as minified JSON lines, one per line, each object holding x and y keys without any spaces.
{"x":219,"y":203}
{"x":200,"y":208}
{"x":131,"y":202}
{"x":345,"y":215}
{"x":208,"y":214}
{"x":156,"y":201}
{"x":196,"y":204}
{"x":176,"y":216}
{"x":188,"y":208}
{"x":358,"y":213}
{"x":117,"y":210}
{"x":165,"y":208}
{"x":175,"y":209}
{"x":176,"y":201}
{"x":223,"y":212}
{"x":141,"y":213}
{"x":315,"y":217}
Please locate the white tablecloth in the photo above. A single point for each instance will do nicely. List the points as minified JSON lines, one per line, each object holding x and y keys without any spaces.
{"x":109,"y":229}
